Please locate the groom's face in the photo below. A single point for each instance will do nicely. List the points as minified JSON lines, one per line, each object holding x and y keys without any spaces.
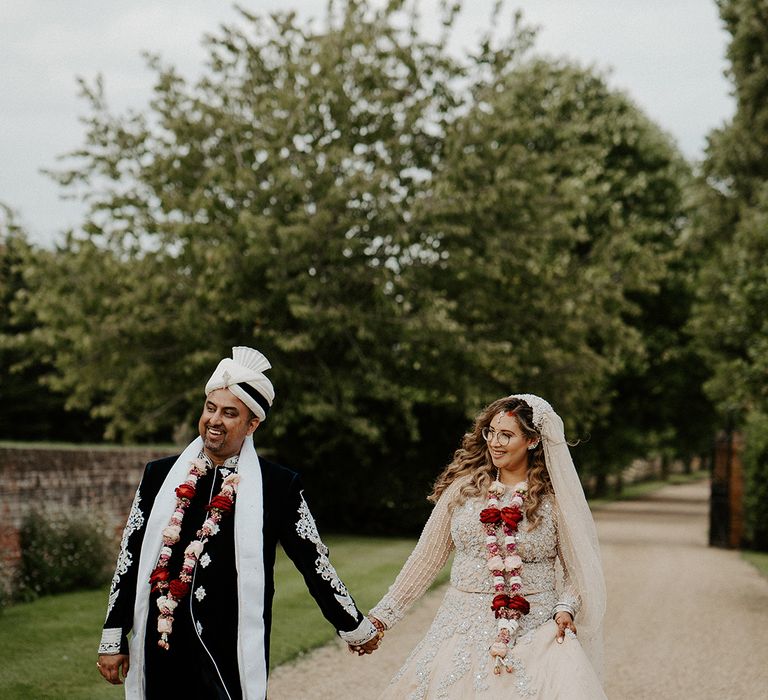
{"x":224,"y":424}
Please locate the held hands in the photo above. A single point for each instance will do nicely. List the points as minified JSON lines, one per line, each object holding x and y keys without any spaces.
{"x":372,"y":644}
{"x":564,"y":621}
{"x":109,"y":666}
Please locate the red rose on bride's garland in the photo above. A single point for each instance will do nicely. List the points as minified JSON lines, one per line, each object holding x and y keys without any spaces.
{"x":517,"y":602}
{"x":500,"y":601}
{"x":490,"y":515}
{"x":511,"y":516}
{"x":178,"y":589}
{"x":221,"y":503}
{"x":185,"y":491}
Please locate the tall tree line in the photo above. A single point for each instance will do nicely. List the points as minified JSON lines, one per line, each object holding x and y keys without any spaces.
{"x":406,"y":234}
{"x":729,"y":239}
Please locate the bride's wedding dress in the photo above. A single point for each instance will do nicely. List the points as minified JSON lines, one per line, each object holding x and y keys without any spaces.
{"x":453,"y":660}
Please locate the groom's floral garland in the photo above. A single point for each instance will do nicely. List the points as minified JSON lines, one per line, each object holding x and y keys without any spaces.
{"x":175,"y":590}
{"x":507,"y":605}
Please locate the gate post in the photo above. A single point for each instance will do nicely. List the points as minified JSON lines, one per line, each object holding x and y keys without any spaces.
{"x":726,"y":512}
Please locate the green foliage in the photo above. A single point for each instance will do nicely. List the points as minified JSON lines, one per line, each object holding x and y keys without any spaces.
{"x":728,"y":319}
{"x":558,"y":211}
{"x":405,"y":234}
{"x":728,"y":238}
{"x":28,"y":412}
{"x":755,"y":462}
{"x":730,"y":322}
{"x":736,"y":154}
{"x":62,"y":552}
{"x":6,"y":587}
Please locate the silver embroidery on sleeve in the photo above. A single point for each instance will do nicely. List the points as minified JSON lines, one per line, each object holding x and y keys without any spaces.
{"x":347,"y":603}
{"x":125,"y":558}
{"x":307,"y":530}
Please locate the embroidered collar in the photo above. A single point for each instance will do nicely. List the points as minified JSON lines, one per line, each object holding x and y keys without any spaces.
{"x":229,"y":463}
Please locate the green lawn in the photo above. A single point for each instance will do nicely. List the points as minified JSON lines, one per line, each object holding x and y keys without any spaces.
{"x":758,"y":559}
{"x":48,"y":648}
{"x":631,"y":492}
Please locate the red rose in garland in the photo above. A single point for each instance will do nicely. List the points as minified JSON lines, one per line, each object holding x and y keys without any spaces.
{"x":222,"y":503}
{"x":178,"y":589}
{"x":158,"y":577}
{"x":511,"y":516}
{"x":500,"y":601}
{"x":490,"y":515}
{"x":517,"y":602}
{"x":185,"y":490}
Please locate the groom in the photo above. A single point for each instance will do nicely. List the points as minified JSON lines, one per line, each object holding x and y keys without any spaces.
{"x":195,"y":575}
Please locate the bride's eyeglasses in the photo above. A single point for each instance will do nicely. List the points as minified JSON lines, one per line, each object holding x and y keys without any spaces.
{"x":489,"y":434}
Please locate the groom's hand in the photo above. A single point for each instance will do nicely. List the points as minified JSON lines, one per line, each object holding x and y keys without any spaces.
{"x":110,"y":665}
{"x":369,"y":647}
{"x":372,"y":644}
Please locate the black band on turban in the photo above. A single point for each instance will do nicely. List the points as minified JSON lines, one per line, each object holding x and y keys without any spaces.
{"x":255,"y":395}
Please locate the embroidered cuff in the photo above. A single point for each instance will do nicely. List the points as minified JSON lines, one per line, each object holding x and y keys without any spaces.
{"x":110,"y":640}
{"x":564,"y":607}
{"x":387,"y":612}
{"x":364,"y":632}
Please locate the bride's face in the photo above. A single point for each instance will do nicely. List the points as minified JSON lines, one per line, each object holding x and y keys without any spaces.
{"x":513,"y":455}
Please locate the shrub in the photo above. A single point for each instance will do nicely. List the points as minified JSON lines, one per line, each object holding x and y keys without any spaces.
{"x":755,"y":462}
{"x":5,"y":586}
{"x":62,"y":552}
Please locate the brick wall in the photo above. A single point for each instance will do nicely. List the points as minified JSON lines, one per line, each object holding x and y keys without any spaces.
{"x":99,"y":480}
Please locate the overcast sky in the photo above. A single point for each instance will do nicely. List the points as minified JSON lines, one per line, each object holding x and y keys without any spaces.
{"x":669,"y":55}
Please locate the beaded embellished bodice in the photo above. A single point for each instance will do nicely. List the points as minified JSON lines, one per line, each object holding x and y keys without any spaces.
{"x":537,"y":548}
{"x":458,"y":528}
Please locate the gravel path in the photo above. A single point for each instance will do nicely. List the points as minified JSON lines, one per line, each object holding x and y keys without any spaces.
{"x":684,"y":620}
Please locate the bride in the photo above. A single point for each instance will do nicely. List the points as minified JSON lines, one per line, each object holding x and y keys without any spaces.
{"x":526,"y":573}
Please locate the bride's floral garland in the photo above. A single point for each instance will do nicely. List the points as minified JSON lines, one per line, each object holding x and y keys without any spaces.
{"x":176,"y":589}
{"x":508,"y":606}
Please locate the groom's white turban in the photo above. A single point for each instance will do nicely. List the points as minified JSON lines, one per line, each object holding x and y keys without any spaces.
{"x":244,"y":376}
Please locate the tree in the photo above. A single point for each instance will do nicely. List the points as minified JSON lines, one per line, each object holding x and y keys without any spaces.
{"x":555,"y":216}
{"x":28,"y":411}
{"x":406,"y":235}
{"x":729,"y":316}
{"x":729,"y":234}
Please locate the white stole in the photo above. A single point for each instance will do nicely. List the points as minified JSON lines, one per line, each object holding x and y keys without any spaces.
{"x":249,"y":546}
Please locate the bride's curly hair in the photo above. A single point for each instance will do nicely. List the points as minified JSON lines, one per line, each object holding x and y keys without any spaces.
{"x":472,"y":461}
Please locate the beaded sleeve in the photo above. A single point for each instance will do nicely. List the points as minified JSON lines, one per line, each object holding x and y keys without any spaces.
{"x":568,"y":599}
{"x":425,"y":562}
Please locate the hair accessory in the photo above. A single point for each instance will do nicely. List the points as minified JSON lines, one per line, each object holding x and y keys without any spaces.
{"x":538,"y":406}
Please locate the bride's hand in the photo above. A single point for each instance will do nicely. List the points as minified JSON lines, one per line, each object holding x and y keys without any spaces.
{"x":564,"y":621}
{"x":372,"y":644}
